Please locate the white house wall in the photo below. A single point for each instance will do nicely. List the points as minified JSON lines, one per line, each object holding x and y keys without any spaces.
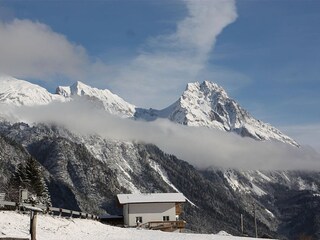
{"x":148,"y":211}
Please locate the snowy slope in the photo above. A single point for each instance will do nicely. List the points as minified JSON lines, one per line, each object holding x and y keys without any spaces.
{"x":106,"y":99}
{"x":13,"y":224}
{"x":258,"y":183}
{"x":19,"y":92}
{"x":207,"y":105}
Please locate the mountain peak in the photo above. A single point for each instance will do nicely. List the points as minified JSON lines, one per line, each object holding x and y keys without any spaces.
{"x":207,"y":104}
{"x":80,"y":89}
{"x":203,"y":104}
{"x":111,"y":102}
{"x":19,"y":92}
{"x":206,"y":88}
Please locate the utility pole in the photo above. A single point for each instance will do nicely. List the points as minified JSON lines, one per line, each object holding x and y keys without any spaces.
{"x":255,"y":220}
{"x":241,"y":223}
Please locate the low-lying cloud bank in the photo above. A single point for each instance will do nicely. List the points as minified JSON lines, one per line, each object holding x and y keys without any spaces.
{"x":201,"y":147}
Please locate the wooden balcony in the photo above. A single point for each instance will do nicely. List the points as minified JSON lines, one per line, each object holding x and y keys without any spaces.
{"x":167,"y":226}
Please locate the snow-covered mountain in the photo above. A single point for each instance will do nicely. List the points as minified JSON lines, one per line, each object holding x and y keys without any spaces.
{"x":86,"y":171}
{"x":19,"y":92}
{"x":22,"y":93}
{"x":201,"y":104}
{"x":106,"y":99}
{"x":207,"y":105}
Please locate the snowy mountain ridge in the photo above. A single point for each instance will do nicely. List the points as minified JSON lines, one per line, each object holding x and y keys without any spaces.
{"x":201,"y":105}
{"x":207,"y":105}
{"x":22,"y":93}
{"x":112,"y":103}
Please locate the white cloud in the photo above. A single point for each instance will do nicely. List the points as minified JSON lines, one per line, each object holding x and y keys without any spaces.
{"x":153,"y":78}
{"x":33,"y":50}
{"x":170,"y":61}
{"x":201,"y":147}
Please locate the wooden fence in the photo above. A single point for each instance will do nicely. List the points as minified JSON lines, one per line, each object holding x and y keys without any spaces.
{"x":48,"y":210}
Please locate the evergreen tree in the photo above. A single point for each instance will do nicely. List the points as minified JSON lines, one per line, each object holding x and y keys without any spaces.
{"x":34,"y":175}
{"x":30,"y":177}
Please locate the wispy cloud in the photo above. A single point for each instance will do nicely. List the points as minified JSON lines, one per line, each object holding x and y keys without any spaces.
{"x":168,"y":62}
{"x":201,"y":147}
{"x":153,"y":78}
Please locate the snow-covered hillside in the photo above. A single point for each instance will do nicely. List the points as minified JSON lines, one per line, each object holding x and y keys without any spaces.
{"x":106,"y":99}
{"x":19,"y":92}
{"x":13,"y":224}
{"x":86,"y":172}
{"x":207,"y":105}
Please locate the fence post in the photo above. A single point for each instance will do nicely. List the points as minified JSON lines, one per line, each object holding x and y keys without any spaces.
{"x":60,"y":210}
{"x":17,"y":206}
{"x":33,"y":224}
{"x":241,"y":223}
{"x":70,"y":213}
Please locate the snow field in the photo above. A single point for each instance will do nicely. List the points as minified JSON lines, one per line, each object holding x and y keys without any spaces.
{"x":13,"y":224}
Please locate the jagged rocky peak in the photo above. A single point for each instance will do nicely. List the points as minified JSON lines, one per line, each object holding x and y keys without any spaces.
{"x":79,"y":89}
{"x":111,"y":102}
{"x":207,"y":88}
{"x":63,"y":91}
{"x":18,"y":92}
{"x":207,"y":104}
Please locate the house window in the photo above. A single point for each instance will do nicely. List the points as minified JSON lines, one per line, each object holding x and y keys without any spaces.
{"x":138,"y":220}
{"x":165,"y":218}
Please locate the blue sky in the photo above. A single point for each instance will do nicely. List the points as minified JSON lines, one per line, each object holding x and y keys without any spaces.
{"x":266,"y":54}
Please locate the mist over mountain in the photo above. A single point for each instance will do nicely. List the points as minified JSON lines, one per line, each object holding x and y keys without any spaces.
{"x":206,"y":104}
{"x":201,"y":105}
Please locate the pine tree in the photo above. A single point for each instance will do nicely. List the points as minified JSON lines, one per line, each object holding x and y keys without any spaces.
{"x":19,"y":177}
{"x":34,"y":175}
{"x":30,"y":177}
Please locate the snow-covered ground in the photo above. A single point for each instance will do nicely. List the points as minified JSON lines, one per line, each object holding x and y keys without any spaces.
{"x":13,"y":224}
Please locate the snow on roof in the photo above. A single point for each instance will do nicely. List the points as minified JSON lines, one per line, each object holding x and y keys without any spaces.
{"x":151,"y":198}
